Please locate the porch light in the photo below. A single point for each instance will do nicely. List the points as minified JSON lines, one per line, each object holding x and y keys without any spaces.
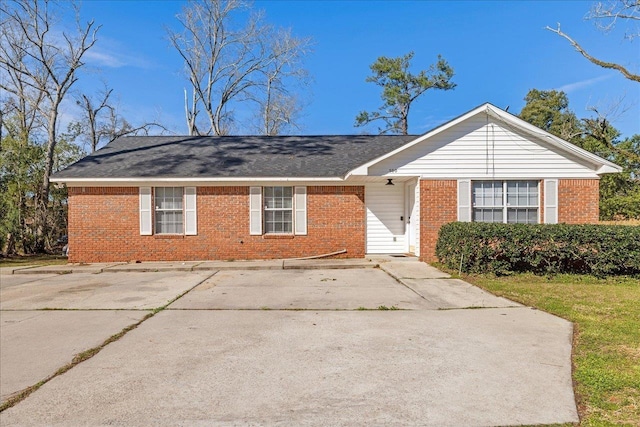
{"x":389,"y":181}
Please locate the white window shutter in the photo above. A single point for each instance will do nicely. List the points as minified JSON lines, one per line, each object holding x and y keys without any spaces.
{"x":145,"y":211}
{"x":464,"y":200}
{"x":255,"y":211}
{"x":300,"y":204}
{"x":550,"y":201}
{"x":190,"y":212}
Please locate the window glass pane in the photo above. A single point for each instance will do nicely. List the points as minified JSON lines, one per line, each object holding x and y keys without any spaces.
{"x":487,"y":215}
{"x":487,"y":193}
{"x":278,"y":211}
{"x":522,"y":215}
{"x":522,"y":193}
{"x":477,"y":194}
{"x":168,"y":212}
{"x":512,"y":193}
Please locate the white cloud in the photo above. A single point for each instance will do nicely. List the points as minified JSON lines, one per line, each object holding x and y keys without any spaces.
{"x":104,"y":59}
{"x":108,"y":58}
{"x":572,"y":87}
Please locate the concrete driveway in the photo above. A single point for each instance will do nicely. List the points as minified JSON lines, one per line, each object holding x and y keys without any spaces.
{"x":401,"y":344}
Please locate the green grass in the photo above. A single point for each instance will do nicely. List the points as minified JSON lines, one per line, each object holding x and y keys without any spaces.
{"x":17,"y":261}
{"x":606,"y":347}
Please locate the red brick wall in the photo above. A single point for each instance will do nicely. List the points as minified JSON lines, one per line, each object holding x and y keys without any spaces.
{"x":438,"y":206}
{"x":104,"y":227}
{"x":578,"y":201}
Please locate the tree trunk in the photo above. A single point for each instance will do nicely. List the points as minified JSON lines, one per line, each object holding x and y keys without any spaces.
{"x":42,"y":200}
{"x":10,"y":245}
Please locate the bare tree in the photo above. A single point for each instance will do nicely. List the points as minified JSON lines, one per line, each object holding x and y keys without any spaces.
{"x":278,"y":105}
{"x":101,"y":122}
{"x":91,"y":111}
{"x":606,"y":17}
{"x":48,"y":68}
{"x":225,"y":63}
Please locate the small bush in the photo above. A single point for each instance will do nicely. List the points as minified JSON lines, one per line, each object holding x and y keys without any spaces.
{"x":600,"y":250}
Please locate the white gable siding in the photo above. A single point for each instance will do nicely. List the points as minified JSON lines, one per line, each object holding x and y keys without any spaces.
{"x":481,"y":148}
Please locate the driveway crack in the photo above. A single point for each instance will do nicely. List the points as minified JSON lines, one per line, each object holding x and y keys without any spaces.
{"x":89,"y":353}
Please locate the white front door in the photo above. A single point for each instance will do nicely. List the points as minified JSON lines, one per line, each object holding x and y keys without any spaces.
{"x":386,"y":218}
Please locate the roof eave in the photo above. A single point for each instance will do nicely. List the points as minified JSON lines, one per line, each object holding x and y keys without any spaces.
{"x":134,"y":180}
{"x":599,"y":165}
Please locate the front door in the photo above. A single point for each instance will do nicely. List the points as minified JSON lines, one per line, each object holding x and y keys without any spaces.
{"x":386,"y":218}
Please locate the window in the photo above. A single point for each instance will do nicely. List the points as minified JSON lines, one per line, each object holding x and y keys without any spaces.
{"x":278,"y":210}
{"x":169,"y":216}
{"x":505,"y":201}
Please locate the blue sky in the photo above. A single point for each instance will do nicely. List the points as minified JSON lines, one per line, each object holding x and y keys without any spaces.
{"x":499,"y":51}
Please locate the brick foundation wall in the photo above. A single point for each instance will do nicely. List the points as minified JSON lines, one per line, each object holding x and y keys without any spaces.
{"x":104,"y":227}
{"x":438,"y":206}
{"x":578,"y":201}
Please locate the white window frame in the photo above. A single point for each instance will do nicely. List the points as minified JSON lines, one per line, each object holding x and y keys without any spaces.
{"x":504,"y":206}
{"x":267,"y":209}
{"x":258,"y":211}
{"x":156,"y":209}
{"x":148,"y":211}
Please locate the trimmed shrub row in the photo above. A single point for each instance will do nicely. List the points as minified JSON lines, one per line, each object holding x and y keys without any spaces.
{"x":600,"y":250}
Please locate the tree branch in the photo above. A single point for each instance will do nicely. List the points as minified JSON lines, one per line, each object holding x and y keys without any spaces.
{"x":603,"y":64}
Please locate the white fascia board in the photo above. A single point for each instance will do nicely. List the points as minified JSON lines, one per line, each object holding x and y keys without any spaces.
{"x":600,"y":165}
{"x":608,"y":169}
{"x":88,"y":182}
{"x":364,"y":169}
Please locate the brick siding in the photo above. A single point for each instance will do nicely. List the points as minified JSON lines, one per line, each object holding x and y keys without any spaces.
{"x":578,"y":201}
{"x":438,"y":206}
{"x":577,"y":204}
{"x":104,"y":227}
{"x":104,"y":223}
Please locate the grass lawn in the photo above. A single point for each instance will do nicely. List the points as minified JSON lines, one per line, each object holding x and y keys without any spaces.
{"x":606,"y":347}
{"x":32,"y":260}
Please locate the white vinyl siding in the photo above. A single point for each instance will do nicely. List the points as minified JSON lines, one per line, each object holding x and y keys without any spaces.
{"x":190,"y":211}
{"x":146,"y":228}
{"x":551,"y":201}
{"x":482,"y":149}
{"x":255,"y":210}
{"x":385,"y":226}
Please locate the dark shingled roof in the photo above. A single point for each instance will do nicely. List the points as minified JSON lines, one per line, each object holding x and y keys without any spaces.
{"x":232,"y":156}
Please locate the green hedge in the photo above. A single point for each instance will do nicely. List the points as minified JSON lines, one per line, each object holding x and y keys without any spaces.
{"x":600,"y":250}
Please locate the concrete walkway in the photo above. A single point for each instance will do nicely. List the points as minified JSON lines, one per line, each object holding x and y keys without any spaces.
{"x":374,"y":341}
{"x":145,"y":267}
